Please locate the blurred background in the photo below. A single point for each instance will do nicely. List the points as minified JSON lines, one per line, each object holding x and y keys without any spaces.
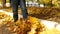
{"x":36,"y":3}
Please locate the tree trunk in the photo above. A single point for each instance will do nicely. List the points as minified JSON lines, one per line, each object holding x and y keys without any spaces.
{"x":3,"y":2}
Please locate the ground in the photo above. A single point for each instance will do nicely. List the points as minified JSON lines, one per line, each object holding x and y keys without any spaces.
{"x":52,"y":14}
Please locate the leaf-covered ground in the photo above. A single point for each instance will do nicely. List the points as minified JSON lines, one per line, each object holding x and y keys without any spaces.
{"x":52,"y":14}
{"x":9,"y":27}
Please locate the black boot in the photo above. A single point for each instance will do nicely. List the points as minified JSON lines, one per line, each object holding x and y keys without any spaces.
{"x":15,"y":16}
{"x":25,"y":14}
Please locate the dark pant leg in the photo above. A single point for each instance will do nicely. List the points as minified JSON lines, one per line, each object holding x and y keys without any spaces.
{"x":14,"y":4}
{"x":24,"y":2}
{"x":23,"y":8}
